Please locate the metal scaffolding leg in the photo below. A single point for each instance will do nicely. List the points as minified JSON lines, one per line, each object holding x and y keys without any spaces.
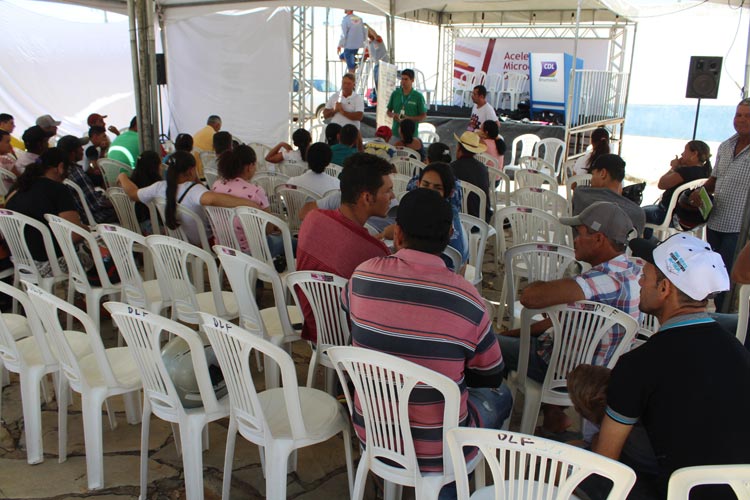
{"x":302,"y":112}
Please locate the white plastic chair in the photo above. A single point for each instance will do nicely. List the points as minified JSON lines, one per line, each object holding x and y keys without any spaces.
{"x":404,"y":152}
{"x":261,"y":150}
{"x":183,"y":214}
{"x":648,"y":324}
{"x":539,"y":262}
{"x":400,"y":182}
{"x":577,"y":329}
{"x":383,"y":385}
{"x":576,"y":180}
{"x":96,"y":376}
{"x":501,"y":192}
{"x":455,"y":258}
{"x":514,"y":87}
{"x":477,"y":230}
{"x":31,"y":358}
{"x":124,"y":208}
{"x":65,"y":232}
{"x":494,"y":86}
{"x":334,"y":170}
{"x":294,"y":198}
{"x":529,"y":225}
{"x":743,"y":312}
{"x":279,"y":420}
{"x":110,"y":169}
{"x":322,"y":291}
{"x":514,"y":460}
{"x":293,"y":168}
{"x":147,"y":294}
{"x":427,"y":136}
{"x":527,"y":143}
{"x":552,"y":151}
{"x":468,"y":188}
{"x":7,"y":179}
{"x":268,"y":182}
{"x":174,"y":260}
{"x":543,"y":199}
{"x":663,"y":230}
{"x":527,"y":177}
{"x":537,"y":163}
{"x":683,"y":480}
{"x":224,"y":225}
{"x":254,"y":223}
{"x":90,"y":221}
{"x":211,"y":173}
{"x":460,"y":88}
{"x":406,"y":165}
{"x":277,"y":322}
{"x":14,"y":227}
{"x":144,"y":334}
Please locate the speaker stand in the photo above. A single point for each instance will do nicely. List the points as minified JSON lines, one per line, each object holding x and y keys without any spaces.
{"x":697,"y":112}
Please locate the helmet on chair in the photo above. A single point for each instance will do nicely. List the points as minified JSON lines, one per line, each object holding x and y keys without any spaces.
{"x":179,"y":364}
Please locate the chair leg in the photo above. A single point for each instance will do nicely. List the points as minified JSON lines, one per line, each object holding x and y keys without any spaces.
{"x":192,"y":461}
{"x":229,"y":459}
{"x":277,"y":457}
{"x":177,"y":435}
{"x":360,"y":479}
{"x":92,"y":436}
{"x":347,"y":434}
{"x":532,"y":402}
{"x":32,"y":415}
{"x":132,"y":406}
{"x":392,"y":491}
{"x":145,"y":429}
{"x":63,"y":391}
{"x":312,"y":368}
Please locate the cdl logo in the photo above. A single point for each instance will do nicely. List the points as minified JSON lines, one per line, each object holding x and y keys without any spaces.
{"x":549,"y":69}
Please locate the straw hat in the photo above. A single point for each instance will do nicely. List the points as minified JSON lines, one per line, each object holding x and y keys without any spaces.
{"x":471,"y":142}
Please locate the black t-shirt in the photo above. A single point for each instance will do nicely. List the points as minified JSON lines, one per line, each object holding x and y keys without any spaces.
{"x":690,"y":388}
{"x":475,"y":172}
{"x":688,"y":174}
{"x":45,"y":197}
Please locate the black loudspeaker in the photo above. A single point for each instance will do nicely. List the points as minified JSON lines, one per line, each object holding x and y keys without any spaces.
{"x":161,"y":70}
{"x":703,"y":78}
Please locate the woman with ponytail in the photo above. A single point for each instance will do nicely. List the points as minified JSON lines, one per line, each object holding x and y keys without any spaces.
{"x":301,"y":138}
{"x":599,"y":147}
{"x":182,"y":187}
{"x":495,"y":143}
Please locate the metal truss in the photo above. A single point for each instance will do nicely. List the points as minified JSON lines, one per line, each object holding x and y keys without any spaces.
{"x":301,"y":109}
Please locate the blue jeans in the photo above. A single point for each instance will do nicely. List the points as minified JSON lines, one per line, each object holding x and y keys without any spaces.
{"x":511,"y":349}
{"x":724,"y":244}
{"x":654,"y":215}
{"x":348,"y":56}
{"x":492,"y":406}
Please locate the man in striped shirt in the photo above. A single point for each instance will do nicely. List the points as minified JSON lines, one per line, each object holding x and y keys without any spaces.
{"x":412,"y":306}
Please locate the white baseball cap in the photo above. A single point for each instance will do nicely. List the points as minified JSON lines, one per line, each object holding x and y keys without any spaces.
{"x":686,"y":261}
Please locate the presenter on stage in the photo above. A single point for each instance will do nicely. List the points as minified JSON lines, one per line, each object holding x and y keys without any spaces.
{"x":353,"y":35}
{"x":406,"y":102}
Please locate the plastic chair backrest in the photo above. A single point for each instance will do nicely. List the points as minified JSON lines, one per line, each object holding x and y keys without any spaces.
{"x":527,"y":142}
{"x":487,"y":160}
{"x":647,"y":326}
{"x":125,"y":209}
{"x":13,"y":226}
{"x":64,"y":232}
{"x":208,"y":158}
{"x":222,"y":221}
{"x":541,"y":262}
{"x":400,"y":182}
{"x":144,"y":334}
{"x":536,"y":163}
{"x":293,"y":169}
{"x":553,"y":150}
{"x":529,"y":225}
{"x":683,"y":480}
{"x":261,"y":150}
{"x":578,"y":180}
{"x":9,"y":354}
{"x":173,"y":260}
{"x":110,"y":169}
{"x":403,"y":151}
{"x":268,"y":182}
{"x":468,"y":188}
{"x":527,"y":177}
{"x":477,"y":230}
{"x":334,"y":170}
{"x":513,"y":459}
{"x":211,"y":173}
{"x":7,"y":179}
{"x":254,"y":223}
{"x":455,"y":257}
{"x":665,"y":224}
{"x":294,"y":198}
{"x":383,"y":385}
{"x":743,"y":312}
{"x":183,"y":214}
{"x":406,"y":165}
{"x":428,"y":136}
{"x":47,"y":307}
{"x":233,"y":347}
{"x":501,"y":192}
{"x":577,"y":330}
{"x":242,"y":272}
{"x":82,"y":199}
{"x":543,"y":199}
{"x":323,"y":292}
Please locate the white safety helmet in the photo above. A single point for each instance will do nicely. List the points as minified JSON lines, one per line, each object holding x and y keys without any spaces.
{"x":179,"y":364}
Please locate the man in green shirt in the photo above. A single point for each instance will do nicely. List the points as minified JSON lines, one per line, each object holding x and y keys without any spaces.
{"x":126,"y":148}
{"x":406,"y":102}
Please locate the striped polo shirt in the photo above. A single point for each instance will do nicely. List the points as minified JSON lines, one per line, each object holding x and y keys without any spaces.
{"x":412,"y":306}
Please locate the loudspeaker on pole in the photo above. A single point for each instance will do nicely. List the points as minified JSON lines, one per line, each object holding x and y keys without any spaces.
{"x":161,"y":70}
{"x":703,"y":77}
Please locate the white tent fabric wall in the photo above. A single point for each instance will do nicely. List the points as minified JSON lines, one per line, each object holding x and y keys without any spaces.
{"x":226,"y":65}
{"x":64,"y":68}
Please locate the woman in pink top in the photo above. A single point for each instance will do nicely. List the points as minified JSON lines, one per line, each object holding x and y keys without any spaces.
{"x":236,"y":169}
{"x":495,"y":144}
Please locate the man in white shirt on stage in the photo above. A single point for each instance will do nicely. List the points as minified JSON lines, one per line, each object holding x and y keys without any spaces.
{"x":345,"y":107}
{"x":481,"y":111}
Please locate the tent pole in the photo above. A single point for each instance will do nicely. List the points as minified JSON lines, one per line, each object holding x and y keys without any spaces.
{"x":152,"y":87}
{"x":391,"y":27}
{"x":437,"y":70}
{"x":134,"y":61}
{"x":747,"y":68}
{"x":572,"y":78}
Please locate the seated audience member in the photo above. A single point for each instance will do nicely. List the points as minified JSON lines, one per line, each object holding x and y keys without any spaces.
{"x":693,"y":164}
{"x":101,"y":208}
{"x":96,"y":148}
{"x":222,"y":142}
{"x":437,"y":151}
{"x":379,"y":145}
{"x":147,"y":171}
{"x":316,"y":179}
{"x":8,"y":124}
{"x":469,"y":169}
{"x":97,"y":120}
{"x":332,"y":133}
{"x":443,"y":326}
{"x":48,"y":124}
{"x":203,"y":140}
{"x":301,"y":138}
{"x":37,"y":142}
{"x":336,"y":241}
{"x":125,"y":147}
{"x":183,"y":142}
{"x":690,"y":362}
{"x":600,"y":238}
{"x":349,"y":143}
{"x":407,"y":138}
{"x":39,"y":191}
{"x":599,"y":147}
{"x":495,"y":144}
{"x":608,"y":172}
{"x":182,"y":187}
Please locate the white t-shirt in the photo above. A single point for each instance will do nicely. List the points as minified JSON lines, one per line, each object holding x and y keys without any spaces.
{"x":580,"y":167}
{"x":317,"y":183}
{"x":481,"y":115}
{"x":352,"y":104}
{"x":191,"y":201}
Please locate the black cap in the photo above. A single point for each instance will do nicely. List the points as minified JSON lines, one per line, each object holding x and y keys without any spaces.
{"x":70,"y":143}
{"x":424,"y":214}
{"x":643,"y":249}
